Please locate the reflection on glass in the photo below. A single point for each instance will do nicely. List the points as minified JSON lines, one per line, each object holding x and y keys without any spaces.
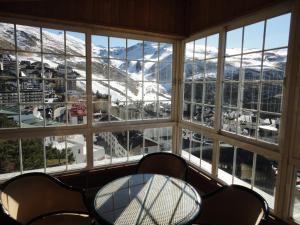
{"x":250,"y":95}
{"x":225,"y":164}
{"x":274,"y":64}
{"x":208,"y":116}
{"x":251,"y":66}
{"x":207,"y":149}
{"x":150,"y":110}
{"x":7,"y":36}
{"x":187,"y":91}
{"x":117,"y":47}
{"x":75,"y":43}
{"x":186,"y":111}
{"x":230,"y":94}
{"x":253,"y":37}
{"x":232,"y":68}
{"x":199,"y":67}
{"x":197,"y":113}
{"x":244,"y":163}
{"x":53,"y":41}
{"x":32,"y":116}
{"x":234,"y":41}
{"x":271,"y":97}
{"x":277,"y":31}
{"x":268,"y":127}
{"x":28,"y":38}
{"x":56,"y":114}
{"x":197,"y":92}
{"x":164,"y":109}
{"x":189,"y":70}
{"x":247,"y":123}
{"x":211,"y":69}
{"x":99,"y":46}
{"x":210,"y":93}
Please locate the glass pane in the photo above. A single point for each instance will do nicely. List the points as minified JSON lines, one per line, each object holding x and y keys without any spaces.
{"x":100,"y":110}
{"x":265,"y":178}
{"x":196,"y":145}
{"x":9,"y":158}
{"x":117,"y":47}
{"x":151,"y":71}
{"x":75,"y":43}
{"x":33,"y":154}
{"x":189,"y":70}
{"x":100,"y":91}
{"x":277,"y":31}
{"x":9,"y":115}
{"x":165,"y":72}
{"x":251,"y":66}
{"x":211,"y":69}
{"x":118,"y":91}
{"x":274,"y":64}
{"x":187,"y":91}
{"x":296,"y":200}
{"x":199,"y":72}
{"x":165,"y":52}
{"x":244,"y":163}
{"x":118,"y":145}
{"x":212,"y":46}
{"x":54,"y":91}
{"x":118,"y":111}
{"x":165,"y":91}
{"x":186,"y":111}
{"x":234,"y":41}
{"x":8,"y":64}
{"x":250,"y":95}
{"x":150,"y":91}
{"x":210,"y":93}
{"x":165,"y":139}
{"x":56,"y":115}
{"x":271,"y":97}
{"x":54,"y":66}
{"x":76,"y":90}
{"x":207,"y":149}
{"x":102,"y":148}
{"x":199,"y":53}
{"x":76,"y":151}
{"x":99,"y":46}
{"x":151,"y":136}
{"x":7,"y":36}
{"x":28,"y":38}
{"x":197,"y":113}
{"x":229,"y":117}
{"x":8,"y":91}
{"x":165,"y":109}
{"x":100,"y":69}
{"x":253,"y":37}
{"x":135,"y":110}
{"x":150,"y":110}
{"x":269,"y":127}
{"x":186,"y":134}
{"x":208,"y":116}
{"x":32,"y":115}
{"x":232,"y":68}
{"x":118,"y":68}
{"x":225,"y":164}
{"x":77,"y":113}
{"x":150,"y":51}
{"x":197,"y":92}
{"x":247,"y":124}
{"x":30,"y":65}
{"x":189,"y":51}
{"x":135,"y":70}
{"x":136,"y":139}
{"x":76,"y":68}
{"x":230,"y":94}
{"x":55,"y":148}
{"x":31,"y":90}
{"x":134,"y":49}
{"x":53,"y":41}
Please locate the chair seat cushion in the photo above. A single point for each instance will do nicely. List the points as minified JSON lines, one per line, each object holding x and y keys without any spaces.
{"x":63,"y":219}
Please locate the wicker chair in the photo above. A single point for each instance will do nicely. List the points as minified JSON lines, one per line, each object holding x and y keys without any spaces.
{"x":39,"y":199}
{"x":163,"y":163}
{"x":233,"y":205}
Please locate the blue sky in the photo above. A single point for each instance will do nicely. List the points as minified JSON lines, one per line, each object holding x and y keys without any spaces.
{"x":277,"y":32}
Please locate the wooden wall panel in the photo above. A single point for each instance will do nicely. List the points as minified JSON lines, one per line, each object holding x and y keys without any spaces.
{"x":160,"y":16}
{"x":207,"y":13}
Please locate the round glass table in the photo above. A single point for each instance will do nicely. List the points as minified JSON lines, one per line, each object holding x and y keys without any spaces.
{"x":146,"y":199}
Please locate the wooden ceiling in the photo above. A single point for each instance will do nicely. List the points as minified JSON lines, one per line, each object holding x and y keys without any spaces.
{"x":173,"y":17}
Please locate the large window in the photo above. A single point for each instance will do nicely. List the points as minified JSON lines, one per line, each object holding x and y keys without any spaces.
{"x":254,"y":71}
{"x":42,"y":77}
{"x":132,"y":79}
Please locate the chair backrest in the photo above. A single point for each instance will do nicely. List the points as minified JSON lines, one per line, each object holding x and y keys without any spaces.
{"x":163,"y":163}
{"x":233,"y":205}
{"x":31,"y":195}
